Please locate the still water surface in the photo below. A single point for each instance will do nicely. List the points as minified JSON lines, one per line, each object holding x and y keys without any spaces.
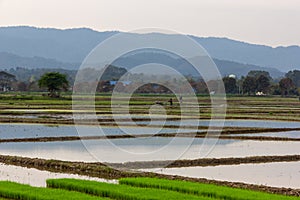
{"x":282,"y":174}
{"x":36,"y":177}
{"x":148,"y":149}
{"x":285,"y":134}
{"x":10,"y":131}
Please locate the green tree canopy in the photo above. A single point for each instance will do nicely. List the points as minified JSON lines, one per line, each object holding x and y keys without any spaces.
{"x":294,"y":76}
{"x":249,"y":85}
{"x":230,"y":85}
{"x":263,"y":83}
{"x":257,"y":73}
{"x":287,"y":86}
{"x":54,"y":82}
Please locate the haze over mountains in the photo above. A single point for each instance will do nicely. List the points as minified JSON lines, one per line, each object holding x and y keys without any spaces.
{"x":53,"y":48}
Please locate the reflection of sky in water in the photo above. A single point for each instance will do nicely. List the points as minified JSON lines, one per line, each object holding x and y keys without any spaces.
{"x":281,"y":174}
{"x":238,"y":123}
{"x":286,"y":134}
{"x":36,"y":130}
{"x":36,"y":177}
{"x":142,"y":149}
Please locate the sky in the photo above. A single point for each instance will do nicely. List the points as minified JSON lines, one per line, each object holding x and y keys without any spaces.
{"x":272,"y":22}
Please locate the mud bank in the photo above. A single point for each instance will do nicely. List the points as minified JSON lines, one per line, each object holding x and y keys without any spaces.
{"x":192,"y":135}
{"x":205,"y":162}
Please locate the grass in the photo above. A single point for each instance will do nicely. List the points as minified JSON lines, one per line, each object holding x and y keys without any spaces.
{"x":121,"y":192}
{"x":201,"y":189}
{"x":238,"y":106}
{"x":131,"y":189}
{"x":10,"y":190}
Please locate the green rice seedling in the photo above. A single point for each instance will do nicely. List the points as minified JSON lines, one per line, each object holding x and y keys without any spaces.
{"x":12,"y":190}
{"x":114,"y":191}
{"x":201,"y":189}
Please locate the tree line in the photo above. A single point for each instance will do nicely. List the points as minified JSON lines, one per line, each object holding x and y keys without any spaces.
{"x":254,"y":83}
{"x":260,"y":82}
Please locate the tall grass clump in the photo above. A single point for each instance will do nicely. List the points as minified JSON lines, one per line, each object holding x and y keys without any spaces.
{"x":11,"y":190}
{"x":201,"y":189}
{"x":122,"y":192}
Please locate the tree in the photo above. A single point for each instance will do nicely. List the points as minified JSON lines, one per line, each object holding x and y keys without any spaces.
{"x":21,"y":86}
{"x":201,"y":87}
{"x":294,"y":76}
{"x":263,"y":84}
{"x":54,"y":81}
{"x":287,"y":86}
{"x":230,"y":85}
{"x":257,"y":73}
{"x":104,"y":86}
{"x":249,"y":85}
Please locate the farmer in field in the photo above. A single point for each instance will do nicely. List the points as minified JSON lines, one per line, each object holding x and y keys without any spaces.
{"x":171,"y":101}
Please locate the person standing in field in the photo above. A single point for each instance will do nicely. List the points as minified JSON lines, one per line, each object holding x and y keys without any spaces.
{"x":171,"y":101}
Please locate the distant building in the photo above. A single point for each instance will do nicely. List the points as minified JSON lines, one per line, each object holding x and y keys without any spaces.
{"x":232,"y":76}
{"x":6,"y":81}
{"x":124,"y":83}
{"x":260,"y":94}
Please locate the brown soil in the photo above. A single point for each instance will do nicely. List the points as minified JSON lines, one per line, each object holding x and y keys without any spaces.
{"x":205,"y":162}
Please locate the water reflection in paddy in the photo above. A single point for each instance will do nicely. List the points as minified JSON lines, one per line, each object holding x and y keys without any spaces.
{"x":8,"y":131}
{"x":285,"y":134}
{"x":283,"y":174}
{"x":36,"y":177}
{"x":231,"y":123}
{"x":141,"y":149}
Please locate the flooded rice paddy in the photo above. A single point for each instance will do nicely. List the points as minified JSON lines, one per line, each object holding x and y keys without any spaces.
{"x":148,"y":149}
{"x":229,"y":123}
{"x":284,"y":134}
{"x":281,"y":174}
{"x":36,"y":177}
{"x":12,"y":131}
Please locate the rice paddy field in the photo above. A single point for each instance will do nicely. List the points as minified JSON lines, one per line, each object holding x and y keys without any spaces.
{"x":50,"y":149}
{"x":129,"y":188}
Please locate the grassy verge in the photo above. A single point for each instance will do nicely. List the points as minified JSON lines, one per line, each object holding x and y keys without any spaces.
{"x":12,"y":190}
{"x":200,"y":189}
{"x":122,"y":192}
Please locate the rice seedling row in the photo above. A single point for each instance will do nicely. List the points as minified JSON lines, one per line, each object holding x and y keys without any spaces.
{"x":11,"y":190}
{"x":200,"y":189}
{"x":122,"y":192}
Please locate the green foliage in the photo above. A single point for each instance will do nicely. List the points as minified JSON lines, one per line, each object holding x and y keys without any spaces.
{"x":287,"y":87}
{"x":54,"y":81}
{"x":294,"y":76}
{"x":122,"y":192}
{"x":258,"y":83}
{"x":249,"y":85}
{"x":31,"y":75}
{"x":201,"y":189}
{"x":263,"y":83}
{"x":257,"y":73}
{"x":34,"y":100}
{"x":230,"y":85}
{"x":12,"y":190}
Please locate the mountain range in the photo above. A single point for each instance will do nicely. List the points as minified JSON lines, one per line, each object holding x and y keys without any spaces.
{"x":32,"y":47}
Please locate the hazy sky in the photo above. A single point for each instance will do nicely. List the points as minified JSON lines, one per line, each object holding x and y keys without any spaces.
{"x":271,"y":22}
